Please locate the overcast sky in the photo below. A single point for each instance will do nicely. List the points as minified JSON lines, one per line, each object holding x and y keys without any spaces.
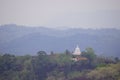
{"x":61,"y":13}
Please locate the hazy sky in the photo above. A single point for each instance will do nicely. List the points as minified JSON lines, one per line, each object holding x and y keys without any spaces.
{"x":61,"y":13}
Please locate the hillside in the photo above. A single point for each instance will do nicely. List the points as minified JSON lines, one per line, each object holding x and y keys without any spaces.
{"x":21,"y":40}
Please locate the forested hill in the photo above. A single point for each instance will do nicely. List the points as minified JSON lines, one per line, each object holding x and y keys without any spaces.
{"x":21,"y":40}
{"x":59,"y":66}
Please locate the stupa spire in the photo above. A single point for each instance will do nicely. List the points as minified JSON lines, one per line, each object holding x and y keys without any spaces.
{"x":77,"y":51}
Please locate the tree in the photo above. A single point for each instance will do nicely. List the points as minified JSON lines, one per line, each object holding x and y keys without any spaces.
{"x":111,"y":72}
{"x":8,"y":66}
{"x":41,"y":53}
{"x":89,"y":53}
{"x":41,"y":65}
{"x":117,"y":59}
{"x":67,"y":52}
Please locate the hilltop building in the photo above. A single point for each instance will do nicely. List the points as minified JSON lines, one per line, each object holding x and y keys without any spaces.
{"x":77,"y":55}
{"x":77,"y":51}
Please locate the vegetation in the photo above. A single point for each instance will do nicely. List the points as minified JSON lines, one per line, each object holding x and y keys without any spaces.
{"x":59,"y":67}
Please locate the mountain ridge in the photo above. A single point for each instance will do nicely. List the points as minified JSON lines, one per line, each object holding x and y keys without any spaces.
{"x":25,"y":40}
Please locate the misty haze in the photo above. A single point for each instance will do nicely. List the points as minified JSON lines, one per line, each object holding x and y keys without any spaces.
{"x":59,"y":39}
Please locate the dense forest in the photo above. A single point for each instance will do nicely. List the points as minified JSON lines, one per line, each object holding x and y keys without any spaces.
{"x":54,"y":66}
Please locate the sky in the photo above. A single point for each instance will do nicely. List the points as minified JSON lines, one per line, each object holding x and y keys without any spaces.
{"x":61,"y":13}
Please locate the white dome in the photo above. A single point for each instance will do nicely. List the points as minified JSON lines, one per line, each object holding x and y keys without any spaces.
{"x":77,"y":51}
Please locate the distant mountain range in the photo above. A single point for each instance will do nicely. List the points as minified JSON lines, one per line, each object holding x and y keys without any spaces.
{"x":22,"y":40}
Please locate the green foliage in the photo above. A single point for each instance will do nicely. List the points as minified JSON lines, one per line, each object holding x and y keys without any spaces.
{"x":89,"y":53}
{"x":74,"y":74}
{"x":56,"y":75}
{"x":111,"y":72}
{"x":58,"y":67}
{"x":63,"y":58}
{"x":8,"y":67}
{"x":91,"y":56}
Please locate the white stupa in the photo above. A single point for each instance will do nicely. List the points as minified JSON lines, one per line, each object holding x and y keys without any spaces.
{"x":77,"y":51}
